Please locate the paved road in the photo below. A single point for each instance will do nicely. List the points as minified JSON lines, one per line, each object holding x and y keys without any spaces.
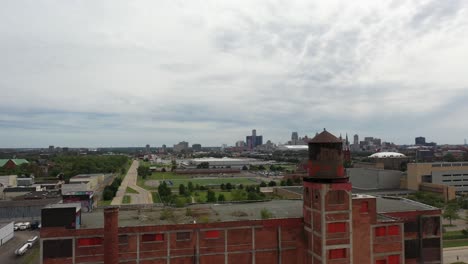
{"x":130,"y":180}
{"x":450,"y":254}
{"x":7,"y":251}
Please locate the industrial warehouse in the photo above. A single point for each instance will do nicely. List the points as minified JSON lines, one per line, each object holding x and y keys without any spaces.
{"x":330,"y":225}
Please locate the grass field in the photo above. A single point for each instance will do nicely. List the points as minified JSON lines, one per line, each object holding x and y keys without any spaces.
{"x":202,"y":196}
{"x":104,"y":203}
{"x":213,"y":181}
{"x":127,"y":199}
{"x":455,"y":243}
{"x":131,"y":190}
{"x":178,"y":179}
{"x":155,"y":197}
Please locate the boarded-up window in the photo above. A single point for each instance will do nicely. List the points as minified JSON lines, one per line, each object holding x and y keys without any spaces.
{"x":364,"y":207}
{"x":412,"y":249}
{"x":336,"y":197}
{"x":60,"y":248}
{"x":431,"y":243}
{"x":411,"y":227}
{"x":152,"y":237}
{"x":393,"y":230}
{"x":394,"y":259}
{"x":183,"y":236}
{"x":123,"y":239}
{"x":212,"y":234}
{"x":336,"y":227}
{"x":89,"y":241}
{"x":380,"y":231}
{"x":337,"y":253}
{"x":431,"y":226}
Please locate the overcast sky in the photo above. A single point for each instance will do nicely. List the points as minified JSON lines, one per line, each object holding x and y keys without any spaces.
{"x":128,"y":73}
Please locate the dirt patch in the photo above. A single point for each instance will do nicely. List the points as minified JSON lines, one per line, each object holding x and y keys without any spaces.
{"x":152,"y":183}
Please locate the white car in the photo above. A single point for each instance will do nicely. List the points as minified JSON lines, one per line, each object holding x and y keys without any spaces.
{"x":16,"y":227}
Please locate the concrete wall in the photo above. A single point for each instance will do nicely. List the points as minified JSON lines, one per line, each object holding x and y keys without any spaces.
{"x":6,"y":233}
{"x":76,"y":187}
{"x":371,"y":179}
{"x":27,"y":209}
{"x":8,"y":181}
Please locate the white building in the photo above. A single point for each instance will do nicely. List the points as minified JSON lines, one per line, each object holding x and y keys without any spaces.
{"x":6,"y":232}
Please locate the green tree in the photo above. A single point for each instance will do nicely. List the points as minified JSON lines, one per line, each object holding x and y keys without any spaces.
{"x":210,"y":196}
{"x":241,"y":186}
{"x":164,"y":191}
{"x":244,"y":167}
{"x":203,"y":165}
{"x":182,"y":190}
{"x":283,"y":183}
{"x":449,"y":158}
{"x":289,"y":182}
{"x":221,"y":198}
{"x":263,"y":184}
{"x":265,"y":214}
{"x":190,"y":187}
{"x":451,"y":212}
{"x":228,"y":186}
{"x":239,"y":195}
{"x":222,"y":186}
{"x":272,"y":183}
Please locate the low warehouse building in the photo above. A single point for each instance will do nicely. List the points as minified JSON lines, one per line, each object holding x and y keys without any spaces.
{"x":6,"y":232}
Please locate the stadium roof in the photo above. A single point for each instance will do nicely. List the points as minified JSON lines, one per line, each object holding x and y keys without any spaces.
{"x":380,"y":155}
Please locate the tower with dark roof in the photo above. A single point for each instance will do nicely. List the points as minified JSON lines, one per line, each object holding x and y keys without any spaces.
{"x":327,"y":202}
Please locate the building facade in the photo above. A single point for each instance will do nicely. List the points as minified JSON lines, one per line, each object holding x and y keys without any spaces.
{"x":451,"y":174}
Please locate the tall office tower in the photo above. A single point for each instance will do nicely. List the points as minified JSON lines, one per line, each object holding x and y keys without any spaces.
{"x":327,"y":203}
{"x":294,"y":136}
{"x":148,"y":149}
{"x":420,"y":141}
{"x":356,"y":139}
{"x":254,"y":140}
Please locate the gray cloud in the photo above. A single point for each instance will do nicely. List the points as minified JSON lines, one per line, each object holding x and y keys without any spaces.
{"x":130,"y":73}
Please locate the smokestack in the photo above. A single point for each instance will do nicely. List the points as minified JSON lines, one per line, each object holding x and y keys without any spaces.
{"x":111,"y":235}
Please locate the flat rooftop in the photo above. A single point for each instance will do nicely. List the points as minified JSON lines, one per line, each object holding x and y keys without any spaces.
{"x":387,"y":204}
{"x":201,"y":213}
{"x":140,"y":215}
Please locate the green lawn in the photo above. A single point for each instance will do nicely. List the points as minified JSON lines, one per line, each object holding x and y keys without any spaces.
{"x":455,"y":243}
{"x":155,"y":197}
{"x":104,"y":203}
{"x":178,"y":179}
{"x":213,"y":181}
{"x":32,"y":256}
{"x":202,"y":196}
{"x":131,"y":190}
{"x":450,"y":235}
{"x":126,"y":199}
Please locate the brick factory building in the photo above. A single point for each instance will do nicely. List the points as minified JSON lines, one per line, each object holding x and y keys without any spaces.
{"x":330,"y":225}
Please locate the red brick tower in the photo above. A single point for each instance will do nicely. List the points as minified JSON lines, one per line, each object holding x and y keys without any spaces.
{"x":327,"y":203}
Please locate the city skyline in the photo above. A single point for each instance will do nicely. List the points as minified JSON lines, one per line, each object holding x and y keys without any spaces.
{"x":117,"y":73}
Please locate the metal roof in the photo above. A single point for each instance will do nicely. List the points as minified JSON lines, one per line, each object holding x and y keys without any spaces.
{"x":325,"y":137}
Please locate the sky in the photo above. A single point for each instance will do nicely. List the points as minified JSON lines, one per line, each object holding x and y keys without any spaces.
{"x":130,"y":73}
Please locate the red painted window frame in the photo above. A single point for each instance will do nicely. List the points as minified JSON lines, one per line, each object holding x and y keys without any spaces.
{"x":152,"y":237}
{"x":336,"y":227}
{"x":393,"y":230}
{"x":364,"y":207}
{"x":90,"y":241}
{"x":339,"y":253}
{"x":380,"y":231}
{"x":212,"y":234}
{"x":394,"y":259}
